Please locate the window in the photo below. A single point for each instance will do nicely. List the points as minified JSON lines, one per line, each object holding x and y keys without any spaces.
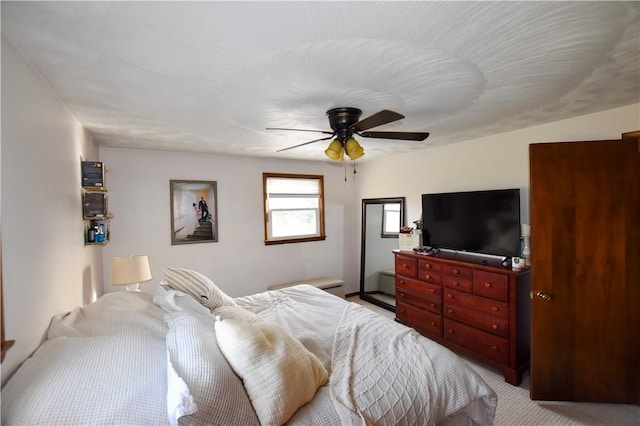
{"x":390,"y":220}
{"x":293,"y":208}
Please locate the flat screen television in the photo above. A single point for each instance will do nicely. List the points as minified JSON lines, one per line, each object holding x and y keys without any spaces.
{"x":486,"y":222}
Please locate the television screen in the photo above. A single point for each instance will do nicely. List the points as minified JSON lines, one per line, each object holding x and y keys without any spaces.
{"x":485,"y":222}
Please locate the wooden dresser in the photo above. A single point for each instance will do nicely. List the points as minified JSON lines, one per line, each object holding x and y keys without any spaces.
{"x":474,"y":307}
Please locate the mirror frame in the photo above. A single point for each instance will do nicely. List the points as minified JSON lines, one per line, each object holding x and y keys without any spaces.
{"x":366,"y":202}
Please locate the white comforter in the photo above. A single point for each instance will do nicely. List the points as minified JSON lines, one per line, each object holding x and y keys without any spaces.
{"x":383,"y":373}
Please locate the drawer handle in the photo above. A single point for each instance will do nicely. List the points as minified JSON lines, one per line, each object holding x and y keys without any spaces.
{"x":433,"y":323}
{"x":450,"y":296}
{"x":455,"y":283}
{"x":450,"y":331}
{"x":487,"y":285}
{"x":495,"y":309}
{"x":427,"y":276}
{"x":402,"y":294}
{"x":432,"y":305}
{"x":456,"y":272}
{"x":449,"y":311}
{"x":401,"y":281}
{"x":494,"y":326}
{"x":432,"y":290}
{"x":494,"y":348}
{"x":427,"y":266}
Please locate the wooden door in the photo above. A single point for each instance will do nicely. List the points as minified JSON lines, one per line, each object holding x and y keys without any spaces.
{"x":585,"y":224}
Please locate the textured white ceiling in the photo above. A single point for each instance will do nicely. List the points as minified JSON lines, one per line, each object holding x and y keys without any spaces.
{"x":211,"y":76}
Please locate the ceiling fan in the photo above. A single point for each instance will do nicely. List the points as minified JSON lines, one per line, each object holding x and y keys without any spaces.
{"x":345,"y":122}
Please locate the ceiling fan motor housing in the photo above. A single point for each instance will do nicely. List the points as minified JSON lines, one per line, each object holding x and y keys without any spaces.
{"x":341,"y":120}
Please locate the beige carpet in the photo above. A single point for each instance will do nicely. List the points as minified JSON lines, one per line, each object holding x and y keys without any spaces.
{"x":516,"y":408}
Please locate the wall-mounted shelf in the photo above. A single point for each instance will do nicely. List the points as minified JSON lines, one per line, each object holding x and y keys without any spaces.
{"x":94,"y":189}
{"x":109,"y":216}
{"x":94,"y":204}
{"x":104,"y":243}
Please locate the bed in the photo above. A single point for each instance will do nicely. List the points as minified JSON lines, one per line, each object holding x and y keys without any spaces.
{"x":189,"y":354}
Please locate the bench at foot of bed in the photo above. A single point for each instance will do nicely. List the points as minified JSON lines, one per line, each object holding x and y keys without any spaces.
{"x":331,"y":285}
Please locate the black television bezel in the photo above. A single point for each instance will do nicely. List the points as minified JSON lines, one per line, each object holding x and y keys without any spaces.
{"x":425,"y":232}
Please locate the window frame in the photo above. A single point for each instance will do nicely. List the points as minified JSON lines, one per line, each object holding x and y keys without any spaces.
{"x":268,"y":240}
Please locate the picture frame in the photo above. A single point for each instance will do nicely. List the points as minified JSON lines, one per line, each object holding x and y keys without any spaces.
{"x":193,"y":222}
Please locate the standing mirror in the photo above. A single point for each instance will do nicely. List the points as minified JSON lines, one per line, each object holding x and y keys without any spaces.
{"x":381,"y":222}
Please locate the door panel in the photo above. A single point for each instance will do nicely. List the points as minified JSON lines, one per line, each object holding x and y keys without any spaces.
{"x":585,"y":214}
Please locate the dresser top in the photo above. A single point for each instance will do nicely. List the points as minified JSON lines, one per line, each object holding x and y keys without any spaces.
{"x":471,"y":260}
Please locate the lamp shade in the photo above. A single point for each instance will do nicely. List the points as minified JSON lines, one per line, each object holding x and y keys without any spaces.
{"x":353,"y":148}
{"x":130,"y":269}
{"x":335,"y":151}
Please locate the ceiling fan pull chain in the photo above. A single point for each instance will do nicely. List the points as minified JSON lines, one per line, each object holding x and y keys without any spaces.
{"x":345,"y":171}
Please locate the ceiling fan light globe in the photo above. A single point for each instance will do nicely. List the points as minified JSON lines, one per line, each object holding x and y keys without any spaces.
{"x":356,"y":154}
{"x":335,"y":151}
{"x":353,"y":148}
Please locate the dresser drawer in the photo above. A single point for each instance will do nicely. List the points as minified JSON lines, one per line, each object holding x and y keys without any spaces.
{"x":462,"y":284}
{"x":425,"y":289}
{"x":488,"y":345}
{"x":423,"y":321}
{"x":406,"y":266}
{"x":489,"y":323}
{"x":429,"y":265}
{"x":431,"y":303}
{"x":490,"y":284}
{"x":480,"y":304}
{"x":428,"y":275}
{"x":457,"y":271}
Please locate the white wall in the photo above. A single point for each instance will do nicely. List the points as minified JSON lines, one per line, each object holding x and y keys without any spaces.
{"x":495,"y":162}
{"x":239,"y":262}
{"x":46,"y":268}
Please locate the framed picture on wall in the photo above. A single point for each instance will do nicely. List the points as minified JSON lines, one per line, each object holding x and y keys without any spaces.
{"x":194,"y":212}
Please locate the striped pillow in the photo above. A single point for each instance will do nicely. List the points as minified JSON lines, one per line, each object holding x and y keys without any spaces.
{"x":198,"y":286}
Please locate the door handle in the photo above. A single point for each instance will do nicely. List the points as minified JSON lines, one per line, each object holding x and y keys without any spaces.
{"x":541,"y":295}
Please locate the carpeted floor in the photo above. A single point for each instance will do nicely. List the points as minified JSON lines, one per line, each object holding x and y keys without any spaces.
{"x":516,"y":408}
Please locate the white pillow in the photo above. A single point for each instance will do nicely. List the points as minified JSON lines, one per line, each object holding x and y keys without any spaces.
{"x":208,"y":381}
{"x":198,"y":286}
{"x":278,"y":373}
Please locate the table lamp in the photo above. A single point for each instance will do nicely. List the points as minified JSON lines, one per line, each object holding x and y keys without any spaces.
{"x":130,"y":271}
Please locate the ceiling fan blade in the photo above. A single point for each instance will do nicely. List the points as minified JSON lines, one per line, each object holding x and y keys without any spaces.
{"x":303,"y":144}
{"x":408,"y":136}
{"x":301,"y":130}
{"x":378,"y":119}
